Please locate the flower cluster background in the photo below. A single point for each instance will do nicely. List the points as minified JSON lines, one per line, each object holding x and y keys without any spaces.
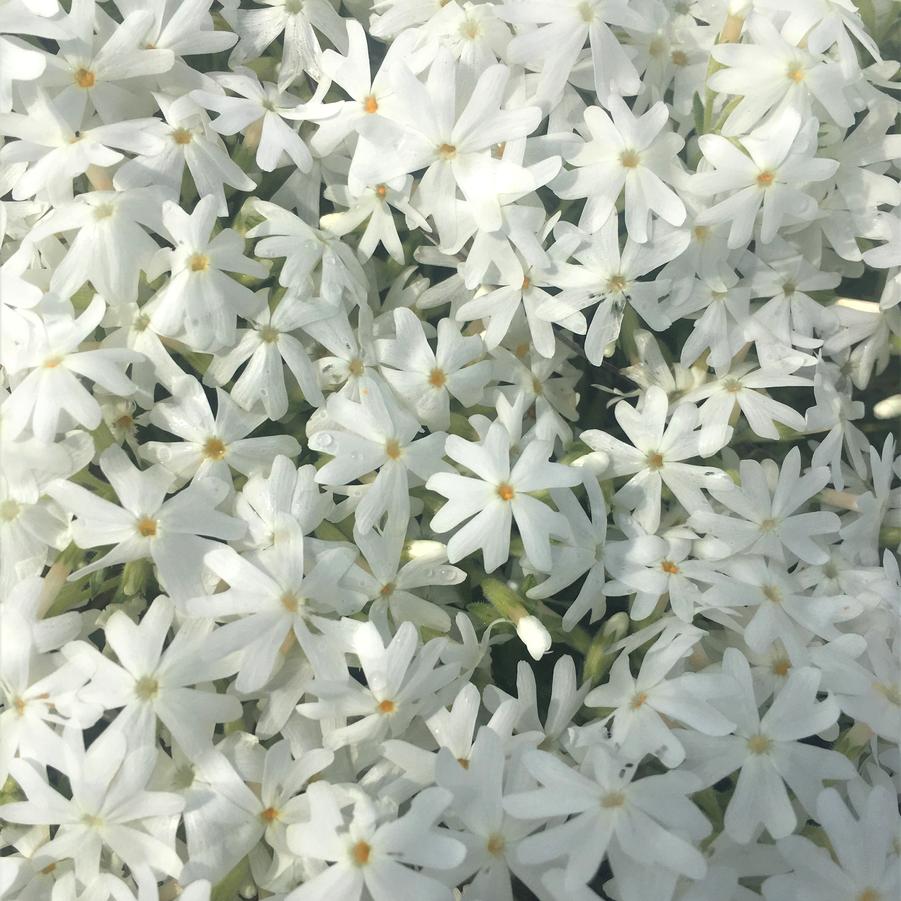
{"x":448,"y":450}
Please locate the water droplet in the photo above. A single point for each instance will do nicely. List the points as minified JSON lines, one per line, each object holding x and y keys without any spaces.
{"x":324,"y":440}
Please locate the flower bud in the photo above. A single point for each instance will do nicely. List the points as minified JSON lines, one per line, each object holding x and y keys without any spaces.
{"x":534,"y":636}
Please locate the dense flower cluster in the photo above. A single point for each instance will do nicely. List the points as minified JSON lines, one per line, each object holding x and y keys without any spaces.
{"x":446,"y":450}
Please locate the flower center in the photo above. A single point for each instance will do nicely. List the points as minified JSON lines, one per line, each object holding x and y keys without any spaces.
{"x":146,"y":527}
{"x":85,"y":78}
{"x":638,"y":700}
{"x":613,"y":799}
{"x":470,"y":29}
{"x":360,"y":853}
{"x":768,"y":525}
{"x":733,"y":386}
{"x":679,"y":58}
{"x":892,"y":693}
{"x":495,"y":845}
{"x":146,"y":688}
{"x":182,"y":136}
{"x":759,"y":744}
{"x":387,"y":706}
{"x":393,"y":449}
{"x":290,"y":601}
{"x":269,"y":815}
{"x":356,"y":366}
{"x":214,"y":449}
{"x":789,"y":288}
{"x":669,"y":567}
{"x":869,"y":894}
{"x":772,"y":593}
{"x":437,"y":378}
{"x":52,"y":362}
{"x":104,"y":211}
{"x":701,"y":232}
{"x":630,"y":159}
{"x":447,"y":151}
{"x":616,"y":283}
{"x":655,"y":460}
{"x":796,"y":72}
{"x":199,"y":262}
{"x":370,"y":105}
{"x":381,"y":191}
{"x":9,"y":510}
{"x":463,"y":762}
{"x":89,"y":819}
{"x":505,"y":491}
{"x":268,"y":334}
{"x":387,"y":590}
{"x":766,"y":178}
{"x":780,"y":666}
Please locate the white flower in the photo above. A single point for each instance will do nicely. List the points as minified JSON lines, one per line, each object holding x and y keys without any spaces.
{"x":372,"y":852}
{"x":768,"y":751}
{"x":153,"y":684}
{"x":200,"y":300}
{"x":211,"y":446}
{"x":767,"y":522}
{"x":427,"y":379}
{"x":47,"y":393}
{"x":109,"y":807}
{"x":640,"y":704}
{"x":772,"y":73}
{"x":499,"y":495}
{"x":656,"y":457}
{"x":771,"y":174}
{"x":625,"y":153}
{"x":148,"y":525}
{"x":865,"y":860}
{"x":646,"y":819}
{"x":376,"y":434}
{"x":184,"y":137}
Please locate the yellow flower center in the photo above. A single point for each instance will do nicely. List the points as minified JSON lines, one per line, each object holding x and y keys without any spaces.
{"x":766,"y":178}
{"x":892,"y":693}
{"x":370,"y":105}
{"x":655,"y":460}
{"x":759,"y":744}
{"x":387,"y":706}
{"x":669,"y":567}
{"x":437,"y":378}
{"x":447,"y":151}
{"x":360,"y":853}
{"x":613,"y":799}
{"x":630,"y":159}
{"x":182,"y":136}
{"x":146,"y":687}
{"x":269,"y":815}
{"x":616,"y":283}
{"x":214,"y":449}
{"x":85,"y":78}
{"x":638,"y":700}
{"x":495,"y":845}
{"x":146,"y":527}
{"x":505,"y":491}
{"x":199,"y":262}
{"x":9,"y":510}
{"x":393,"y":449}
